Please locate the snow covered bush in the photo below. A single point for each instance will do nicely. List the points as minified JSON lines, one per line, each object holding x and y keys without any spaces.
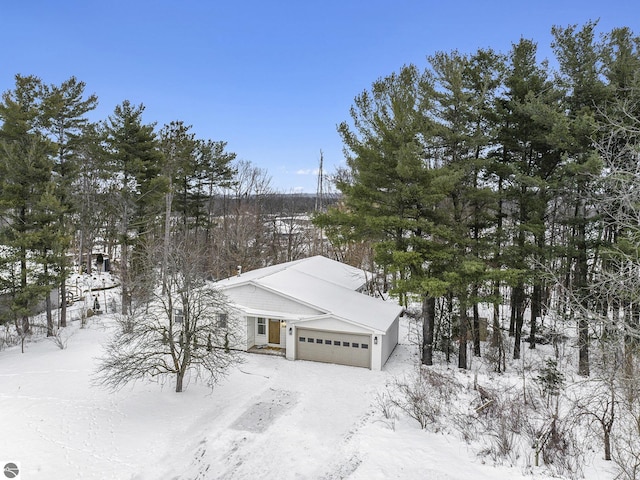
{"x":425,"y":395}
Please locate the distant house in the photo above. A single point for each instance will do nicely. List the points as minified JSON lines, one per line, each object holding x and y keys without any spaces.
{"x":314,"y":309}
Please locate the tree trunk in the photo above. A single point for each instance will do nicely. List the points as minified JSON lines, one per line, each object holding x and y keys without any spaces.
{"x":49,"y":315}
{"x":428,"y":323}
{"x":124,"y":262}
{"x":462,"y":347}
{"x":514,"y":307}
{"x":496,"y":337}
{"x":581,"y":283}
{"x":583,"y":347}
{"x":167,"y":236}
{"x":63,"y":298}
{"x":476,"y":326}
{"x":179,"y":380}
{"x":25,"y":327}
{"x":607,"y":445}
{"x":518,"y":299}
{"x":536,"y":311}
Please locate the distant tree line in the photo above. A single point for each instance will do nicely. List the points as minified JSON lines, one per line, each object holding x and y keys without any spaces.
{"x":494,"y":178}
{"x":70,"y":187}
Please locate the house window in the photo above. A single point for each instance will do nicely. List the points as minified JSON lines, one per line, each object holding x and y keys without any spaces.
{"x":222,"y":320}
{"x":178,"y":316}
{"x":262,"y":326}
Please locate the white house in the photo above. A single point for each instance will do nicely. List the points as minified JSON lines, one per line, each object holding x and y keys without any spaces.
{"x":314,"y":309}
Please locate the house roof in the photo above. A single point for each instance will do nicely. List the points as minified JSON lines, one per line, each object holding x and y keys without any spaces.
{"x":325,"y":284}
{"x":318,"y":266}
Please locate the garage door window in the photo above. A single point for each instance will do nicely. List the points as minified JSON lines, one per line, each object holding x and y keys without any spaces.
{"x":344,"y":348}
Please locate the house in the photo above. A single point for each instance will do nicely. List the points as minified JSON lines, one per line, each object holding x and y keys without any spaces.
{"x":314,"y":309}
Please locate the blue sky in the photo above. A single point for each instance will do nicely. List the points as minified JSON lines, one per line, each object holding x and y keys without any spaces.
{"x":271,"y":78}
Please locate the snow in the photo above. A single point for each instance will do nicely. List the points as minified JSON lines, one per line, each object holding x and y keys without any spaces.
{"x":317,"y":266}
{"x":271,"y":418}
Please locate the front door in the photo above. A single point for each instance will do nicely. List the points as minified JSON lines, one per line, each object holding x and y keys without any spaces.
{"x":274,"y":331}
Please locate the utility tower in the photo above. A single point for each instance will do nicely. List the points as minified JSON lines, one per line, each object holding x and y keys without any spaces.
{"x":320,"y":189}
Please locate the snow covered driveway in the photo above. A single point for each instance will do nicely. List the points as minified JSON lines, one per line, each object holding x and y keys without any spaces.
{"x":294,"y":421}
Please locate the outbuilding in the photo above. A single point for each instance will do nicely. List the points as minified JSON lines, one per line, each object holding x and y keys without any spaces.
{"x":314,"y":309}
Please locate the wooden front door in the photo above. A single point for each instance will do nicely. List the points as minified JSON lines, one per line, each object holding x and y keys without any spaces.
{"x":274,"y":331}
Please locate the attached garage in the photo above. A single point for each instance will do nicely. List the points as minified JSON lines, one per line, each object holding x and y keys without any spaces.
{"x":334,"y":347}
{"x":314,"y":310}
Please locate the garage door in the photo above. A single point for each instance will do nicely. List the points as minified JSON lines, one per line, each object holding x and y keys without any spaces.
{"x":334,"y":347}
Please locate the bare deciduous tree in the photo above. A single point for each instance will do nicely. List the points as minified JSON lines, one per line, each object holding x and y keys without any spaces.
{"x":189,"y":328}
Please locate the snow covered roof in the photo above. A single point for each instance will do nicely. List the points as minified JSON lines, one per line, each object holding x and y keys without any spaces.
{"x":325,"y":284}
{"x":318,"y":266}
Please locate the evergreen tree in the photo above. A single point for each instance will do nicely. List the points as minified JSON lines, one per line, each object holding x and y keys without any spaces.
{"x":580,"y":63}
{"x":135,"y":162}
{"x":64,"y":116}
{"x":25,"y":173}
{"x":530,"y":116}
{"x":394,"y":188}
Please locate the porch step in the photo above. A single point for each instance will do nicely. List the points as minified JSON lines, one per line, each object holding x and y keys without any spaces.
{"x":267,"y":350}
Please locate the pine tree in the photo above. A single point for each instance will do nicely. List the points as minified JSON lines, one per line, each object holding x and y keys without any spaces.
{"x":580,"y":60}
{"x":64,"y":116}
{"x":135,"y":162}
{"x":530,"y":113}
{"x":25,"y":173}
{"x":394,"y":188}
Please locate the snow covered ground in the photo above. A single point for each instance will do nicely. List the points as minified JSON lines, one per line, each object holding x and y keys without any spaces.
{"x":269,"y":419}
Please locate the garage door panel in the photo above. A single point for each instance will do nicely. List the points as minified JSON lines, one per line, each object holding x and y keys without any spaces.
{"x":334,"y":347}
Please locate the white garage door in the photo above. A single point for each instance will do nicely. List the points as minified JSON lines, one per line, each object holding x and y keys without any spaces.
{"x":334,"y":347}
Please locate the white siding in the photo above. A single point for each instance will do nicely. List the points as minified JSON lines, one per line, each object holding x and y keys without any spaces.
{"x":249,"y":296}
{"x":251,"y":332}
{"x":333,"y":324}
{"x":390,"y":340}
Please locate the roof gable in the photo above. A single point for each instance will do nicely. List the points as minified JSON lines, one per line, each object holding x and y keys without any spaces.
{"x":325,"y":284}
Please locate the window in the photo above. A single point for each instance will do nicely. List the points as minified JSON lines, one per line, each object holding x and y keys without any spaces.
{"x":336,"y":342}
{"x":327,"y":342}
{"x":222,"y":320}
{"x":364,"y":345}
{"x":178,"y":316}
{"x":262,"y":326}
{"x":355,"y":345}
{"x":309,"y":340}
{"x":318,"y":340}
{"x":301,"y":339}
{"x":345,"y":344}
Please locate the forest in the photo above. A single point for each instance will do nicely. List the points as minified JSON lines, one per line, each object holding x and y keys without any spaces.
{"x":499,"y":194}
{"x":496,"y":179}
{"x":123,"y":188}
